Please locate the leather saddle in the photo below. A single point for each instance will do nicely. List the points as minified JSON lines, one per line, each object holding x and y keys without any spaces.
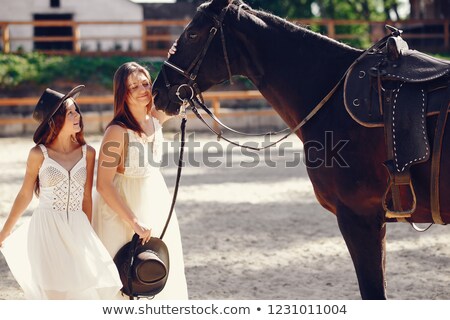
{"x":397,"y":88}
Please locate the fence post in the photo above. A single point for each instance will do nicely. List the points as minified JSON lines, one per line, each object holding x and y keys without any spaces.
{"x":331,"y":29}
{"x":5,"y":37}
{"x":76,"y":38}
{"x":144,"y":37}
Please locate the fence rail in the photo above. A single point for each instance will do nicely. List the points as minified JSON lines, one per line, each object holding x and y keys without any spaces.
{"x":214,"y":98}
{"x":157,"y":35}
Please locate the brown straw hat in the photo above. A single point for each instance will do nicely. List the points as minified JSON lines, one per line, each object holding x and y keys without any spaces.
{"x":48,"y":104}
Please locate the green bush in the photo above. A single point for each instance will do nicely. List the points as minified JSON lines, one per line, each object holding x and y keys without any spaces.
{"x":39,"y":69}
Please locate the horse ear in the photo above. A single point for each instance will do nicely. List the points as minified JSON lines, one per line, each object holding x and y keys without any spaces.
{"x":219,"y":4}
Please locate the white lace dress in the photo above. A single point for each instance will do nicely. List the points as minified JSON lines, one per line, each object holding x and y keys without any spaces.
{"x":145,"y":192}
{"x":57,"y":255}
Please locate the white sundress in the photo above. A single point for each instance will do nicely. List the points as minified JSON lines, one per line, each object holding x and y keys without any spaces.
{"x":57,"y":255}
{"x":145,"y":192}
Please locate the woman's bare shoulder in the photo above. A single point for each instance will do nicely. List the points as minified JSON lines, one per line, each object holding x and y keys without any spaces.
{"x":36,"y":153}
{"x":90,"y":151}
{"x":35,"y":157}
{"x":114,"y":133}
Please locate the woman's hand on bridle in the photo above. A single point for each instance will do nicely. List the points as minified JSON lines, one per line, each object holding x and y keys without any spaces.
{"x":172,"y":50}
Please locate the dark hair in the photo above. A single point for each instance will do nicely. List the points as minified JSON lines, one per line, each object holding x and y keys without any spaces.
{"x":55,"y":124}
{"x":122,"y":113}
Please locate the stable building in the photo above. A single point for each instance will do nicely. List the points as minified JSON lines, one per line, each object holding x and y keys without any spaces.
{"x":84,"y":25}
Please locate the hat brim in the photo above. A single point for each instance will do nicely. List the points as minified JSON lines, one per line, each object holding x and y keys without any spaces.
{"x":122,"y":261}
{"x":74,"y":93}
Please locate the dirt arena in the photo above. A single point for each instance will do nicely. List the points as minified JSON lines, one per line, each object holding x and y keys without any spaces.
{"x":252,"y":229}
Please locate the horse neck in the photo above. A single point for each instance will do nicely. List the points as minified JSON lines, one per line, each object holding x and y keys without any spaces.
{"x":292,"y":67}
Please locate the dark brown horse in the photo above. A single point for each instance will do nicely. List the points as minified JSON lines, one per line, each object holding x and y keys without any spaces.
{"x":294,"y":69}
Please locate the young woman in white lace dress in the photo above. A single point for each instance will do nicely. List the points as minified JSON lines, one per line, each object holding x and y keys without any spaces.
{"x":57,"y":255}
{"x":132,"y":194}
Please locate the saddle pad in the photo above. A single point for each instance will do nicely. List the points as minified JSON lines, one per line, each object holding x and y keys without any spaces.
{"x":361,"y":92}
{"x":409,"y":132}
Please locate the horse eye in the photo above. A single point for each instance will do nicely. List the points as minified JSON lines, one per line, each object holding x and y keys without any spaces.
{"x":192,"y":36}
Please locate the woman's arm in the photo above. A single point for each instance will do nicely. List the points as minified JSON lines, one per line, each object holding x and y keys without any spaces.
{"x":25,"y":195}
{"x":110,"y":157}
{"x":160,"y":115}
{"x":87,"y":197}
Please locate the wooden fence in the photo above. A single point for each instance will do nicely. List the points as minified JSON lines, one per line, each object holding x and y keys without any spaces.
{"x":213,"y":98}
{"x":155,"y":42}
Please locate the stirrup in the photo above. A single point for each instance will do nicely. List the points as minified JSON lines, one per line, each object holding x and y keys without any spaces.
{"x":391,"y":212}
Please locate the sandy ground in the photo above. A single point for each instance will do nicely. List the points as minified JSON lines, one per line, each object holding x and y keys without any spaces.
{"x":257,"y":232}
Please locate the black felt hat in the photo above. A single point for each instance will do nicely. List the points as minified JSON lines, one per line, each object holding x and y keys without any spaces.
{"x":48,"y":104}
{"x":143,"y":268}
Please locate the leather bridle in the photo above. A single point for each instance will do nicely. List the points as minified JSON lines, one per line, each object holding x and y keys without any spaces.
{"x":192,"y":71}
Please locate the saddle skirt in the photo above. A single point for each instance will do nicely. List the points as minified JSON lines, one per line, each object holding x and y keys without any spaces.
{"x":418,"y":83}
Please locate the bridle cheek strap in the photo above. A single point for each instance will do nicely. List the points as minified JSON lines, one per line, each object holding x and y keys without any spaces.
{"x":191,"y":73}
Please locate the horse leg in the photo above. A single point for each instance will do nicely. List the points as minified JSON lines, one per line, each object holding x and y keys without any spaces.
{"x":365,"y":239}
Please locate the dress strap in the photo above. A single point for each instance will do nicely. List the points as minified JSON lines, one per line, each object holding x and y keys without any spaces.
{"x":44,"y":150}
{"x":156,"y":124}
{"x":84,"y":149}
{"x":158,"y":135}
{"x":130,"y":133}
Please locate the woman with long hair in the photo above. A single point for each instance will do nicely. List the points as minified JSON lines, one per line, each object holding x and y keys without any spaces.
{"x":133,"y":196}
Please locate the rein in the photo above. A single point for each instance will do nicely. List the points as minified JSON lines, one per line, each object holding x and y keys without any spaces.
{"x":217,"y":120}
{"x":177,"y":181}
{"x":194,"y":99}
{"x":301,"y":124}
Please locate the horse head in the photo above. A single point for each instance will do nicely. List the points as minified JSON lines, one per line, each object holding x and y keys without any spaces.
{"x":207,"y":54}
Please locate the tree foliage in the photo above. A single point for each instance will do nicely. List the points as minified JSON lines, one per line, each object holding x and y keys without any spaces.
{"x":332,"y":9}
{"x":285,"y":8}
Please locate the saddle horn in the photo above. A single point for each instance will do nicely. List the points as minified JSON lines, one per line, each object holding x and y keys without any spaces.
{"x":394,"y":31}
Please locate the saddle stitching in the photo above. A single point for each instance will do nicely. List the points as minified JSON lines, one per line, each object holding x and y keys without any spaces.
{"x":424,"y":133}
{"x":419,"y":79}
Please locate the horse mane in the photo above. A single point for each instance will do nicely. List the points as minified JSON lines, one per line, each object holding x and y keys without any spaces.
{"x":292,"y":28}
